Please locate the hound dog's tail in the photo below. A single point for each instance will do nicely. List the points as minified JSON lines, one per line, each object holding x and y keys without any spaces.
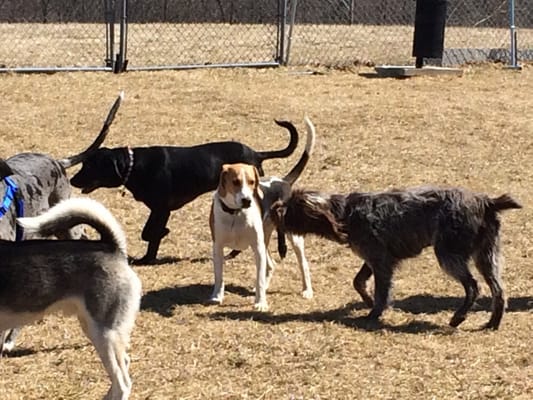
{"x":503,"y":202}
{"x":76,"y":211}
{"x":78,"y":158}
{"x":297,"y":170}
{"x":287,"y":151}
{"x":295,"y":173}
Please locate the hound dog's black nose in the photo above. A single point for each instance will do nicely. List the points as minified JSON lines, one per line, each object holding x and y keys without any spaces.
{"x":246,"y":203}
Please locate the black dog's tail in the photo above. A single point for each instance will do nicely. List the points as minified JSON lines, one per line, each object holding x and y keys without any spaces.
{"x":504,"y":202}
{"x":287,"y":151}
{"x":78,"y":158}
{"x":76,"y":211}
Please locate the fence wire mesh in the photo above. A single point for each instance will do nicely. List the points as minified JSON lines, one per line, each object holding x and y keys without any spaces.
{"x":174,"y":32}
{"x":479,"y":31}
{"x":177,"y":33}
{"x":53,"y":33}
{"x":351,"y":32}
{"x":347,"y":32}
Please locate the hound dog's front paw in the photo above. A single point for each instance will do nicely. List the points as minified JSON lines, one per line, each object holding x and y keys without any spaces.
{"x":307,"y":294}
{"x":216,"y":298}
{"x":261,"y":306}
{"x":7,"y":347}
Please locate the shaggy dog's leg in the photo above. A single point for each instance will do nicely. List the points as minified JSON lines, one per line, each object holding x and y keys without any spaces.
{"x":456,"y":265}
{"x":383,"y":270}
{"x":359,"y":284}
{"x":487,"y":260}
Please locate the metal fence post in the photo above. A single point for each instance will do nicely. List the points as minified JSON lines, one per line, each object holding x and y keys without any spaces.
{"x":282,"y":23}
{"x":109,"y":17}
{"x":122,"y":62}
{"x":294,"y":4}
{"x":512,"y":30}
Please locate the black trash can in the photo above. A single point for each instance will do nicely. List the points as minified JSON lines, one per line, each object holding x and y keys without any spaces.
{"x":430,"y":20}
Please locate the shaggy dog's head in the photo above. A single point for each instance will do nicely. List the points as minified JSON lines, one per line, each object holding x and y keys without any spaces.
{"x":311,"y":212}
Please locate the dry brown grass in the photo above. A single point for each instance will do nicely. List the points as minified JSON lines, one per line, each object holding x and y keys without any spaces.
{"x":473,"y":131}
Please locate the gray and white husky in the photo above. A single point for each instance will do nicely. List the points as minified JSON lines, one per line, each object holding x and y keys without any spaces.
{"x":88,"y":278}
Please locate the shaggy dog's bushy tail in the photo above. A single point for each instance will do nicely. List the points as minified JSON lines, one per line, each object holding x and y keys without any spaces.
{"x":504,"y":202}
{"x":76,"y":211}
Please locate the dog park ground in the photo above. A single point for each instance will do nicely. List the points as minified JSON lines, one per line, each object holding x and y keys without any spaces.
{"x":372,"y":134}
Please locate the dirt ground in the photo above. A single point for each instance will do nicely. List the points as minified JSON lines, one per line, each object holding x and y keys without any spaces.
{"x":372,"y":134}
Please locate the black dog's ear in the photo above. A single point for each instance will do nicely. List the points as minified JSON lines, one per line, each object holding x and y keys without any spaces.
{"x":5,"y":170}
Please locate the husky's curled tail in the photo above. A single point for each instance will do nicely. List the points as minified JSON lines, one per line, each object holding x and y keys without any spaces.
{"x":76,"y":211}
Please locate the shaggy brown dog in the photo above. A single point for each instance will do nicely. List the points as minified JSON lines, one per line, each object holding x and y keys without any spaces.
{"x":385,"y":228}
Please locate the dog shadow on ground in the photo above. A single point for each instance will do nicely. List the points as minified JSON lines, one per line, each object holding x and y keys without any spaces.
{"x":163,"y":301}
{"x":168,"y":260}
{"x":421,"y":304}
{"x":428,"y":304}
{"x":24,"y":351}
{"x":343,"y":316}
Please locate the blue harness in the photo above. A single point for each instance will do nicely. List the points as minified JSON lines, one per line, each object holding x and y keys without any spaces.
{"x":10,"y":196}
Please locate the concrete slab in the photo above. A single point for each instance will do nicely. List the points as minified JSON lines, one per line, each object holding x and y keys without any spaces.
{"x":401,"y":71}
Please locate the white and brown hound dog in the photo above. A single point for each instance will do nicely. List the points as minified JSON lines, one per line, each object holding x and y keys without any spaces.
{"x":240,"y":219}
{"x":236,"y":222}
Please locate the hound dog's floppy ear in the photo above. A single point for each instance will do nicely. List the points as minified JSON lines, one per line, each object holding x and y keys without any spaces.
{"x":277,"y":214}
{"x":5,"y":170}
{"x":222,"y":181}
{"x":257,"y":188}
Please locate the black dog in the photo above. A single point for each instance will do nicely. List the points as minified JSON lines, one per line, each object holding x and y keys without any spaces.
{"x":386,"y":228}
{"x":166,"y":178}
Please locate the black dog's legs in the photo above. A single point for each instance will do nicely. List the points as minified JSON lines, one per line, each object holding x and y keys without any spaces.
{"x":456,"y":265}
{"x":154,"y":230}
{"x":359,"y":284}
{"x":382,"y":287}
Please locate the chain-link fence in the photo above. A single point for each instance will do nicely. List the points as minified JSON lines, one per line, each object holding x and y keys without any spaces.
{"x":54,"y":34}
{"x":154,"y":34}
{"x":381,"y":31}
{"x":174,"y":33}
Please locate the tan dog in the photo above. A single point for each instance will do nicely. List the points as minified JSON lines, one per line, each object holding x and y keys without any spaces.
{"x":236,"y":222}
